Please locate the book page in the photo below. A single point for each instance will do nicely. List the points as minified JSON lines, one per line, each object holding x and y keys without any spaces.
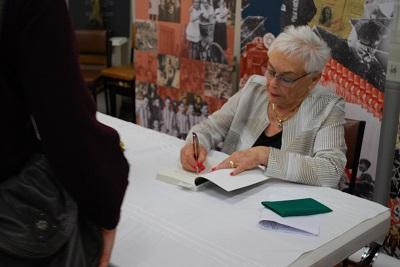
{"x":223,"y":179}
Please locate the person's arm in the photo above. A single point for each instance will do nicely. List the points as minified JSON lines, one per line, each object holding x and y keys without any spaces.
{"x":327,"y":162}
{"x":85,"y":154}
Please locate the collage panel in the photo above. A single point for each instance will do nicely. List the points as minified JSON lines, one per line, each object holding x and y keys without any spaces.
{"x":218,"y":81}
{"x":170,"y":38}
{"x":146,"y":66}
{"x":145,"y":103}
{"x":169,"y":10}
{"x":192,"y":75}
{"x":142,"y":9}
{"x":329,"y":15}
{"x":209,"y":30}
{"x":168,"y":72}
{"x":153,"y":10}
{"x":146,"y":35}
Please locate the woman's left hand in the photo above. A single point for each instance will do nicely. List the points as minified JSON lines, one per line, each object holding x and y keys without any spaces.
{"x":245,"y":160}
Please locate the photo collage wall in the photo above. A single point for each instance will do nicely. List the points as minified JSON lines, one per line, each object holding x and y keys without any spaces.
{"x":357,"y":31}
{"x":183,"y":61}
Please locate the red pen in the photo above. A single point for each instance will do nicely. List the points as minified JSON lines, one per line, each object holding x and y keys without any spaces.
{"x":195,"y":143}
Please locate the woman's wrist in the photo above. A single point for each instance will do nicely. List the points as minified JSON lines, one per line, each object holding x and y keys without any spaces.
{"x":262,"y":155}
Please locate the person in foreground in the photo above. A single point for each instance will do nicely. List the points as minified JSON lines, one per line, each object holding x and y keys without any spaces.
{"x":284,"y":121}
{"x":40,"y":78}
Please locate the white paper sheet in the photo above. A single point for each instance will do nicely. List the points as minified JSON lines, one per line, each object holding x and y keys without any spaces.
{"x":294,"y":224}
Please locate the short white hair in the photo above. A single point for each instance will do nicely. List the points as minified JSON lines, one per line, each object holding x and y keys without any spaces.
{"x":303,"y":43}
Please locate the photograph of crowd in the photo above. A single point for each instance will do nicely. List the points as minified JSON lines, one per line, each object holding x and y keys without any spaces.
{"x":164,"y":113}
{"x":168,"y":71}
{"x":146,"y":35}
{"x":218,"y":81}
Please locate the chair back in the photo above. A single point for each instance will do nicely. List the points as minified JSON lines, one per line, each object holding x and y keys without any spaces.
{"x":94,"y":48}
{"x":353,"y":135}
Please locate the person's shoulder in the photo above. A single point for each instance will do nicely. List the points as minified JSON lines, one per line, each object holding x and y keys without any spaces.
{"x":257,"y":79}
{"x":254,"y":89}
{"x":324,"y":93}
{"x":323,"y":99}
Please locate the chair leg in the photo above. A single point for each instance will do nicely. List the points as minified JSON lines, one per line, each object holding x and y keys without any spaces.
{"x":370,"y":255}
{"x":106,"y":95}
{"x":133,"y":99}
{"x":112,"y":102}
{"x":94,"y":95}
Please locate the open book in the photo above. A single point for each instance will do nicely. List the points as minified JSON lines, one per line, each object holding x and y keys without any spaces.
{"x":221,"y":178}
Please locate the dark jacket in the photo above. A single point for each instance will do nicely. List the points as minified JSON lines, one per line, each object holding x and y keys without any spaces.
{"x":40,"y":76}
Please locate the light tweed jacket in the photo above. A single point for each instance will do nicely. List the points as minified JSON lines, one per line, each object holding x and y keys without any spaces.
{"x":313,"y":146}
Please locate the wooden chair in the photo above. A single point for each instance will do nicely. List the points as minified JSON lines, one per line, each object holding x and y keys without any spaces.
{"x":353,"y":135}
{"x":94,"y":55}
{"x":120,"y":80}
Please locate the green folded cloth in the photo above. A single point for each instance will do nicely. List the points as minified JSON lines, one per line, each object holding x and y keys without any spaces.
{"x":296,"y":207}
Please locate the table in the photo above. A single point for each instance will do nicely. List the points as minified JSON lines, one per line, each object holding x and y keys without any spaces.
{"x":166,"y":225}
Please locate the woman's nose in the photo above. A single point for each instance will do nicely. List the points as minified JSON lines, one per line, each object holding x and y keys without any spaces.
{"x":274,"y":81}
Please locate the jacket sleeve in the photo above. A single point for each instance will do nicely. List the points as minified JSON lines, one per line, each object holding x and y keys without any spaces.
{"x":326,"y":164}
{"x":85,"y":154}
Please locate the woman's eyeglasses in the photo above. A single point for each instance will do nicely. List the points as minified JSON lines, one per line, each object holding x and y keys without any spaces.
{"x":284,"y":81}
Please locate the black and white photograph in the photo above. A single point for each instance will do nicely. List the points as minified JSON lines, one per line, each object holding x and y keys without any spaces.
{"x":146,"y":35}
{"x":251,"y":27}
{"x":297,"y":12}
{"x":326,"y":17}
{"x":193,"y":30}
{"x":222,"y":14}
{"x":369,"y":44}
{"x":364,"y":53}
{"x":154,"y":9}
{"x":168,"y":71}
{"x":207,"y":29}
{"x":145,"y":95}
{"x":218,"y":81}
{"x":170,"y":10}
{"x":378,"y":9}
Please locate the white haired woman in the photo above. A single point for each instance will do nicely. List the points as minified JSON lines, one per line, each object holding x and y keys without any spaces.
{"x":285,"y":121}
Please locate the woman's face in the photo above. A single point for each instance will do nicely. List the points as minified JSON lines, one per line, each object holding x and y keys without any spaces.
{"x":196,"y":4}
{"x":290,"y":69}
{"x":327,"y":13}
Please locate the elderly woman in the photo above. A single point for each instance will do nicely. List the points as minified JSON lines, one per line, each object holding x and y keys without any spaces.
{"x":286,"y":122}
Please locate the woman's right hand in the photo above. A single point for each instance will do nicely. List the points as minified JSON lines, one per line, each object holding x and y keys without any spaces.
{"x":188,"y":161}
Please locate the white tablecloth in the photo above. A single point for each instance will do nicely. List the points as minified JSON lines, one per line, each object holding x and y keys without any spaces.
{"x":165,"y":225}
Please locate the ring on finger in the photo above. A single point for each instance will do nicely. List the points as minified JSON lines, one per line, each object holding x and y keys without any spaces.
{"x":232,"y":164}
